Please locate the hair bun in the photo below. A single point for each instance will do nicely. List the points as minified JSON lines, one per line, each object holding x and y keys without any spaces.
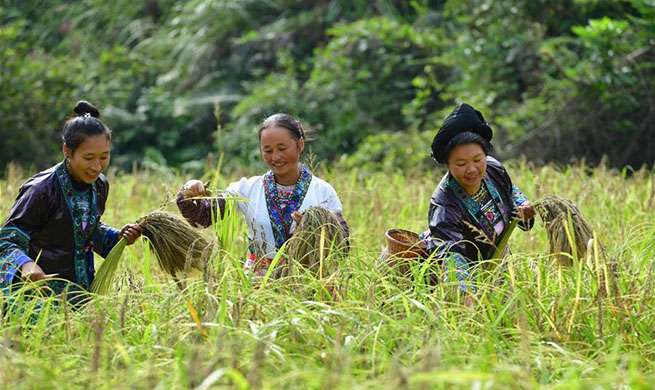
{"x":83,"y":107}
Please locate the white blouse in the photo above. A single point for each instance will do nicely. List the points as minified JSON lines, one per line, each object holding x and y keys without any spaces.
{"x":255,"y":211}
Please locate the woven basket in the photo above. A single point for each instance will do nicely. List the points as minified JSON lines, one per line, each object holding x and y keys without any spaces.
{"x":404,"y":244}
{"x":403,"y":248}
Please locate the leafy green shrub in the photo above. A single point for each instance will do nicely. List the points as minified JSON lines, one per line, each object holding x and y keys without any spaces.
{"x":364,"y":77}
{"x":37,"y":96}
{"x":392,"y":152}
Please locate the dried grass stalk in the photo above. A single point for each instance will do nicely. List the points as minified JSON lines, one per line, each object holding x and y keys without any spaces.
{"x":177,"y":244}
{"x":317,"y":243}
{"x":555,"y":212}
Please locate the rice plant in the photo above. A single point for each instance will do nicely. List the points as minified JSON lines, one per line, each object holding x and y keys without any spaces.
{"x":534,"y":323}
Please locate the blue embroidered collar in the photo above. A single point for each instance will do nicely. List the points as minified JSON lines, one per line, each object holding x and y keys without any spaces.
{"x":281,"y":218}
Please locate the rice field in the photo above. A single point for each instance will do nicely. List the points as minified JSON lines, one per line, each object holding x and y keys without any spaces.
{"x":535,"y":323}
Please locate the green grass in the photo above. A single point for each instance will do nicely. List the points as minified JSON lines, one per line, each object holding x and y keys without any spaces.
{"x":533,"y":325}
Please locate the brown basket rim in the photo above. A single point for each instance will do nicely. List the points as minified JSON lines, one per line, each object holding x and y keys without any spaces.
{"x":404,"y":249}
{"x":388,"y":236}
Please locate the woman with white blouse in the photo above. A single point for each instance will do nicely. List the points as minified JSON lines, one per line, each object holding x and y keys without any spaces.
{"x":276,"y":200}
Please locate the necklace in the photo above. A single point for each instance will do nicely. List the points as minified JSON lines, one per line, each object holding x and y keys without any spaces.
{"x":480,"y":195}
{"x":283,"y":190}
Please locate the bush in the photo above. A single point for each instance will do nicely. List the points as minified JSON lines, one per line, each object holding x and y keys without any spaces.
{"x":37,"y":96}
{"x":364,"y":77}
{"x":392,"y":152}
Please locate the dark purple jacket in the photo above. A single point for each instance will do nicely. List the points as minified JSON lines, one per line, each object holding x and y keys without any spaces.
{"x":448,"y":218}
{"x":40,"y":225}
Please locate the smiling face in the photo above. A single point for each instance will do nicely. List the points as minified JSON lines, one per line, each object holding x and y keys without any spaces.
{"x":468,"y":164}
{"x":89,"y":159}
{"x":281,"y":152}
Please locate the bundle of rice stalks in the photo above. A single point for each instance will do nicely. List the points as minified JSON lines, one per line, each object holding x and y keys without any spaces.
{"x":105,"y":275}
{"x":177,"y":244}
{"x":317,"y":242}
{"x":564,"y":223}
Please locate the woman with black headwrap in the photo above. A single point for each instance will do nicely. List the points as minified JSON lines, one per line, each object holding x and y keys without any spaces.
{"x":475,"y":201}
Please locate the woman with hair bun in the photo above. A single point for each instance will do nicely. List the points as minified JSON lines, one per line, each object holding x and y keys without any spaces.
{"x":276,"y":200}
{"x":54,"y":226}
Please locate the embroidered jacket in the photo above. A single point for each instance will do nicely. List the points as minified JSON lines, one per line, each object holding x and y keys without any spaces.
{"x":453,"y":215}
{"x":47,"y":225}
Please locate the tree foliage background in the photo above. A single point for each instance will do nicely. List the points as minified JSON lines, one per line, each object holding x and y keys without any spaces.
{"x":180,"y":80}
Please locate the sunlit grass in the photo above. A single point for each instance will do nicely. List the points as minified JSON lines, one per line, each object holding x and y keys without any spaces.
{"x":533,"y":324}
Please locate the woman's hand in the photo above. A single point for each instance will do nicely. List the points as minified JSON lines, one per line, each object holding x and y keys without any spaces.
{"x":30,"y":271}
{"x":131,"y":232}
{"x":296,"y":216}
{"x":194,"y":188}
{"x":526,"y":211}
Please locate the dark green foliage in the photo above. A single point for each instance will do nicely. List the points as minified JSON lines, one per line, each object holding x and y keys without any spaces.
{"x":556,"y":79}
{"x":35,"y":95}
{"x":390,"y":151}
{"x":368,"y":72}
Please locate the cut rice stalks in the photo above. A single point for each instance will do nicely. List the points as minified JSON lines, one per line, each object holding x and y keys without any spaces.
{"x":317,"y":243}
{"x":568,"y":232}
{"x":177,"y":244}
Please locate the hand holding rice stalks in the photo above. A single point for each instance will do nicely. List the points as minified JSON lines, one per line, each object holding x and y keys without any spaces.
{"x":555,"y":213}
{"x":318,"y":238}
{"x":178,"y":245}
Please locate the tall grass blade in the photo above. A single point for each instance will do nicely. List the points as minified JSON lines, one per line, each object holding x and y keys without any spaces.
{"x":107,"y":271}
{"x":500,"y":249}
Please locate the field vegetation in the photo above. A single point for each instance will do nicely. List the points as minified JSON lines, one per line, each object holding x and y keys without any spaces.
{"x":534,"y":323}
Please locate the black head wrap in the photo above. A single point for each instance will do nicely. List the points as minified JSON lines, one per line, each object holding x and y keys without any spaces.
{"x":463,"y":118}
